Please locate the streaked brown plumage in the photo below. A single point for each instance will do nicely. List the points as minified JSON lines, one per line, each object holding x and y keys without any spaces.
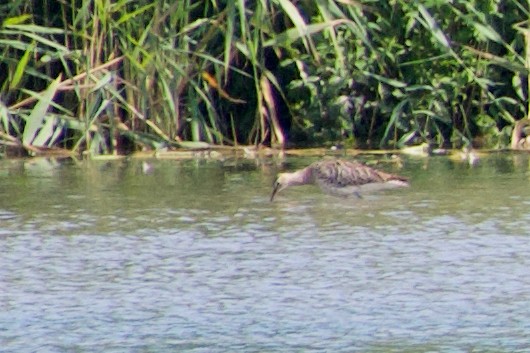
{"x":340,"y":178}
{"x":520,"y":137}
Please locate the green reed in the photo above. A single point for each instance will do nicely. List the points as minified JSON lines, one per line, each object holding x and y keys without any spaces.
{"x":107,"y":77}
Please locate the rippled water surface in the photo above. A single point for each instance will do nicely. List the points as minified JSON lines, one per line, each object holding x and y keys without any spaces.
{"x":169,"y":256}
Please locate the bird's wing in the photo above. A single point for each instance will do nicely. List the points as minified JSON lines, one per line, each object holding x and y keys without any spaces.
{"x":340,"y":174}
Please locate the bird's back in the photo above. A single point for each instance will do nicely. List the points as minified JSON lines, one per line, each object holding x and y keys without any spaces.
{"x":349,"y":177}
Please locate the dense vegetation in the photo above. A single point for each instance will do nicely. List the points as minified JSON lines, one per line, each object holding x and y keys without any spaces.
{"x":102,"y":76}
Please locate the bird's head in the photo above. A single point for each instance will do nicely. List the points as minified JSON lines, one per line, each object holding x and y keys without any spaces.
{"x":279,"y":184}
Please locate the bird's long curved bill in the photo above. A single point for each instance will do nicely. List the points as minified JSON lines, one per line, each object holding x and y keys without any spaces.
{"x":275,"y":188}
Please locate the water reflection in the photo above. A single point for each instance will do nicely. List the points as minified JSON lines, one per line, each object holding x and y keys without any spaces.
{"x":191,"y":256}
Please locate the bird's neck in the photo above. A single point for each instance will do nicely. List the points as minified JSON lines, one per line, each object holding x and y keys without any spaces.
{"x":300,"y":177}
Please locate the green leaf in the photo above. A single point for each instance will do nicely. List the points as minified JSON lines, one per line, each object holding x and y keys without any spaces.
{"x":21,"y":67}
{"x":5,"y":117}
{"x":35,"y":119}
{"x":394,"y":118}
{"x":518,"y":86}
{"x":294,"y":15}
{"x":406,"y":138}
{"x":194,"y":144}
{"x":294,"y":34}
{"x":388,"y":81}
{"x":488,"y":32}
{"x":145,"y":139}
{"x":130,"y":15}
{"x":46,"y":131}
{"x":102,"y":82}
{"x":505,"y":99}
{"x":229,"y":35}
{"x":45,"y":41}
{"x":16,"y":20}
{"x":25,"y":28}
{"x":15,"y":44}
{"x":414,"y":88}
{"x":433,"y":26}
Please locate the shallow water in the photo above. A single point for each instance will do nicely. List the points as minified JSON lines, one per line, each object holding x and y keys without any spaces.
{"x":168,"y":256}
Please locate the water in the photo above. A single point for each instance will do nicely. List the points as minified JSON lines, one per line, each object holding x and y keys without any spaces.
{"x":167,"y":256}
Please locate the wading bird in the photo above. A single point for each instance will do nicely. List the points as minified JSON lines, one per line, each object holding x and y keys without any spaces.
{"x":339,"y":178}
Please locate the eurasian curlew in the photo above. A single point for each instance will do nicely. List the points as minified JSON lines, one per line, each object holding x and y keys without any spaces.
{"x":339,"y":178}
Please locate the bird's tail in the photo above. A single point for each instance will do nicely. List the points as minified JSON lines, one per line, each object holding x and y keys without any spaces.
{"x":396,"y":180}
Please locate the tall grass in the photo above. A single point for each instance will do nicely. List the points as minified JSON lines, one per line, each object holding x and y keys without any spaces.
{"x":450,"y":73}
{"x":107,"y":77}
